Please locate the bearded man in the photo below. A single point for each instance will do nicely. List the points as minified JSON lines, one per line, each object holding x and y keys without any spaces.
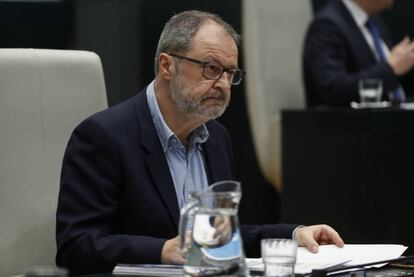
{"x":128,"y":170}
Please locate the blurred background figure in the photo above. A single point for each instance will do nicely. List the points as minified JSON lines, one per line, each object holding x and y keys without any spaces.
{"x":346,"y":42}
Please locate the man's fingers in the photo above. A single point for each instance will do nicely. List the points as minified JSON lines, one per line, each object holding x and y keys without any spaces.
{"x":312,"y":236}
{"x":311,"y":244}
{"x":336,"y":238}
{"x":404,"y":41}
{"x":329,"y":235}
{"x":171,"y":252}
{"x":306,"y":236}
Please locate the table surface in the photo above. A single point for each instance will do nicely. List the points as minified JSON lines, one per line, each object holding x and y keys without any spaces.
{"x":387,"y":271}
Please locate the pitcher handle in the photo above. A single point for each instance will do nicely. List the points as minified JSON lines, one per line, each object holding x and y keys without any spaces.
{"x":186,"y":212}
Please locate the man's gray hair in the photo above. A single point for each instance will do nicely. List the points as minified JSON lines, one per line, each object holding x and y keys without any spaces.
{"x":179,"y":31}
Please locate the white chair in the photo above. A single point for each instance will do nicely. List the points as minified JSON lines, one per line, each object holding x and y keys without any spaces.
{"x":273,"y":36}
{"x":44,"y":94}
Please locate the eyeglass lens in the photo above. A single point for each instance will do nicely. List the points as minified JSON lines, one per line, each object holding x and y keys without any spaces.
{"x":212,"y":70}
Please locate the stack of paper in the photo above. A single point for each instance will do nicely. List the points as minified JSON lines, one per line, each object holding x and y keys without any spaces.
{"x":148,"y":270}
{"x":328,"y":255}
{"x":331,"y":255}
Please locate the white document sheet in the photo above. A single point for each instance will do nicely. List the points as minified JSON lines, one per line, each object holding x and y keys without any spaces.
{"x":407,"y":106}
{"x":331,"y":255}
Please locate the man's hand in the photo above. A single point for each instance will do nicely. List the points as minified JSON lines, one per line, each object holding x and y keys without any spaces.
{"x":223,"y":228}
{"x":171,"y":253}
{"x":401,"y":57}
{"x":312,"y":236}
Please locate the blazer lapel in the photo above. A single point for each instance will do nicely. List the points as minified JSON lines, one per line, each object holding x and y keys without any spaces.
{"x":350,"y":27}
{"x":212,"y":157}
{"x":157,"y":164}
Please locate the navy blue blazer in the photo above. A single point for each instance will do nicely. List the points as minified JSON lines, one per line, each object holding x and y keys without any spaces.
{"x":336,"y":55}
{"x":117,"y":202}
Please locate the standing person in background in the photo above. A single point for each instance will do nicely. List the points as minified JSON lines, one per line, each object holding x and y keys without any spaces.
{"x":129,"y":169}
{"x":347,"y":42}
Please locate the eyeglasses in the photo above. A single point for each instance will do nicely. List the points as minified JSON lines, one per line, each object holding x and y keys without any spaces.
{"x":214,"y":71}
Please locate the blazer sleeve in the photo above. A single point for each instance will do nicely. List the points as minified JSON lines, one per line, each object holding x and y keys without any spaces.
{"x":86,"y":219}
{"x":327,"y":62}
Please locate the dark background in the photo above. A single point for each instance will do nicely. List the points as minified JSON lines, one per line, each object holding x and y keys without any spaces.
{"x":124,"y":33}
{"x":399,"y":19}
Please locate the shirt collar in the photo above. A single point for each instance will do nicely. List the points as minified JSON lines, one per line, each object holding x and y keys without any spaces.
{"x":165,"y":134}
{"x":359,"y":15}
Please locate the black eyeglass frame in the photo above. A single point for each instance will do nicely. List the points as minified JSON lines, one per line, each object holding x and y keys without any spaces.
{"x":204,"y":63}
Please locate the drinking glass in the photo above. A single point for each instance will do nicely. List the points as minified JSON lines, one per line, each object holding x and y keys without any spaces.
{"x":279,"y":257}
{"x":370,"y":91}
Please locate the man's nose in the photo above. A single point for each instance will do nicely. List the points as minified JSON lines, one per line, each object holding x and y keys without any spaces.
{"x":223,"y":82}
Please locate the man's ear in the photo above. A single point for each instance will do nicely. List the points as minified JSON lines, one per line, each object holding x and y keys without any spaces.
{"x":166,"y":66}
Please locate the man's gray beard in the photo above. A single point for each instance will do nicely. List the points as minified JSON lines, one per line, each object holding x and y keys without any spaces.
{"x":195,"y":107}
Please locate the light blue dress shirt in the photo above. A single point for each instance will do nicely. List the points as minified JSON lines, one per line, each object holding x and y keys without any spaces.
{"x":186,"y":165}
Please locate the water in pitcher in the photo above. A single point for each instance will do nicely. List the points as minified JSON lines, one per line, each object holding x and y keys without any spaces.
{"x":216,"y":246}
{"x":210,"y":234}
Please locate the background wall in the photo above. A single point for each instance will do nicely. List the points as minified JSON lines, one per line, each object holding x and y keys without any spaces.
{"x":125,"y":33}
{"x":273,"y":36}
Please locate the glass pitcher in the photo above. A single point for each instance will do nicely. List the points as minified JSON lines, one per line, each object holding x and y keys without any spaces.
{"x":210,"y":234}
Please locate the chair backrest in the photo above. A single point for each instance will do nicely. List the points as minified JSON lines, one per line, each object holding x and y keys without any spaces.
{"x":44,"y":94}
{"x":273,"y":38}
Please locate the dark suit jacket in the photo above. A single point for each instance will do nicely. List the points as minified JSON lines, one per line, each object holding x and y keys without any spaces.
{"x":336,"y":55}
{"x":117,"y":202}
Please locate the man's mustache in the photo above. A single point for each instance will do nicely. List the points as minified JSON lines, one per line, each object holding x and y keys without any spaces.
{"x":215,"y":94}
